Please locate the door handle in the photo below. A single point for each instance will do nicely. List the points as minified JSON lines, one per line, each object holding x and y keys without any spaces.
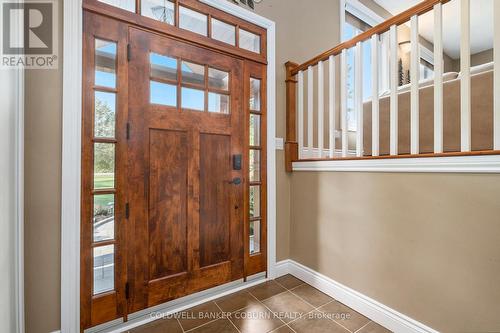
{"x":235,"y":181}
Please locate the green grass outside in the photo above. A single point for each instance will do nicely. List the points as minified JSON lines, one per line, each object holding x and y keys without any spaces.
{"x":103,"y":181}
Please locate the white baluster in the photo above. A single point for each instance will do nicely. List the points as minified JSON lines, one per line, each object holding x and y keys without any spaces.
{"x":415,"y":78}
{"x":394,"y":90}
{"x":375,"y":96}
{"x":343,"y":101}
{"x":331,"y":104}
{"x":321,"y":107}
{"x":438,"y":78}
{"x":358,"y":98}
{"x":465,"y":90}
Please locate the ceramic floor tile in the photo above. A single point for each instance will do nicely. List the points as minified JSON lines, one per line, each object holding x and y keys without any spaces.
{"x":236,"y":301}
{"x":373,"y":327}
{"x":289,"y":281}
{"x":287,"y":306}
{"x":283,"y":329}
{"x":218,"y":326}
{"x":199,"y":315}
{"x":345,"y":316}
{"x":266,"y":290}
{"x":255,"y":319}
{"x":315,"y":322}
{"x":312,"y":295}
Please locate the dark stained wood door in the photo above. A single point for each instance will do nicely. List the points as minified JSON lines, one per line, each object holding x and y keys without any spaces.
{"x":186,"y":126}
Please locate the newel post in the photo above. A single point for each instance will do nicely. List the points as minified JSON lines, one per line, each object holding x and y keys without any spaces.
{"x":291,"y":145}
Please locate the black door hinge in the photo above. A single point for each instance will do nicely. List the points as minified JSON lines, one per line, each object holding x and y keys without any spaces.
{"x":129,"y":52}
{"x":128,"y":131}
{"x":127,"y":210}
{"x":127,"y":290}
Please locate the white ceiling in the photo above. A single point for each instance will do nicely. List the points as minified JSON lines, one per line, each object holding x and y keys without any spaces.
{"x":481,"y":24}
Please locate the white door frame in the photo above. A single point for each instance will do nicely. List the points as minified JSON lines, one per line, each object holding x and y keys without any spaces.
{"x":71,"y":152}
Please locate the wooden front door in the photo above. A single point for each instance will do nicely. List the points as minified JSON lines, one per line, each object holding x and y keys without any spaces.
{"x":173,"y":160}
{"x":184,"y":185}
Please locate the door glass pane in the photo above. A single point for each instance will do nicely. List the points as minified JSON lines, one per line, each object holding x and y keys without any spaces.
{"x":163,"y":94}
{"x":105,"y":63}
{"x":224,"y":32}
{"x":193,"y":99}
{"x":163,"y":67}
{"x":104,"y":114}
{"x":254,"y":94}
{"x":255,"y":201}
{"x":104,"y":217}
{"x":249,"y":41}
{"x":254,"y":237}
{"x":254,"y":165}
{"x":193,"y":73}
{"x":218,"y":103}
{"x":193,"y":21}
{"x":161,"y":10}
{"x":218,"y":79}
{"x":104,"y":269}
{"x":104,"y":165}
{"x":254,"y":130}
{"x":124,"y":4}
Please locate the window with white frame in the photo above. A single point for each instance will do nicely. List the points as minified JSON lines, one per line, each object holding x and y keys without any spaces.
{"x":357,"y":18}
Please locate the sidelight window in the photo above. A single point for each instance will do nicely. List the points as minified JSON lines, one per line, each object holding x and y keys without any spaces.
{"x":104,"y":150}
{"x":255,"y":174}
{"x":104,"y":269}
{"x":104,"y":217}
{"x":105,"y":63}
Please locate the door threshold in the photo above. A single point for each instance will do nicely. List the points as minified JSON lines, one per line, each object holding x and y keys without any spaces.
{"x":161,"y":311}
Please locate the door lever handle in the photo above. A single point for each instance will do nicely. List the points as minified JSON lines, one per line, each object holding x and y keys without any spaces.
{"x":235,"y":181}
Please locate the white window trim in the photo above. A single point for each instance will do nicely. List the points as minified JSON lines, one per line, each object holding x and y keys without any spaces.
{"x":362,"y":12}
{"x":71,"y":148}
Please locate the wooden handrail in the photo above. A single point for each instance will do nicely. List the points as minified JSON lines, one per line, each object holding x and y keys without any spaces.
{"x":399,"y":19}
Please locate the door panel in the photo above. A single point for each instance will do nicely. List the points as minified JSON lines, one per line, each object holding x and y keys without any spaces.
{"x":215,"y":215}
{"x":167,"y":203}
{"x":183,"y":207}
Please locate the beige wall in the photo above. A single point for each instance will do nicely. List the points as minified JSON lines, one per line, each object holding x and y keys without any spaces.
{"x":301,"y":33}
{"x":43,"y":108}
{"x":427,"y":245}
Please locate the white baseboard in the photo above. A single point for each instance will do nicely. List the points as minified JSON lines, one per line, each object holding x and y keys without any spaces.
{"x":383,"y":315}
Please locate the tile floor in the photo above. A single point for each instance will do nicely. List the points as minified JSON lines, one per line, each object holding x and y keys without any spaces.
{"x":285,"y":305}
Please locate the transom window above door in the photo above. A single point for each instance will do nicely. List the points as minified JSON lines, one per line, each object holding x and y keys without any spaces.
{"x":188,"y":85}
{"x":184,"y":15}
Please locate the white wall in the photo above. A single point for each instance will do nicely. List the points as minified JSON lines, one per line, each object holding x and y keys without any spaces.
{"x":8,"y":201}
